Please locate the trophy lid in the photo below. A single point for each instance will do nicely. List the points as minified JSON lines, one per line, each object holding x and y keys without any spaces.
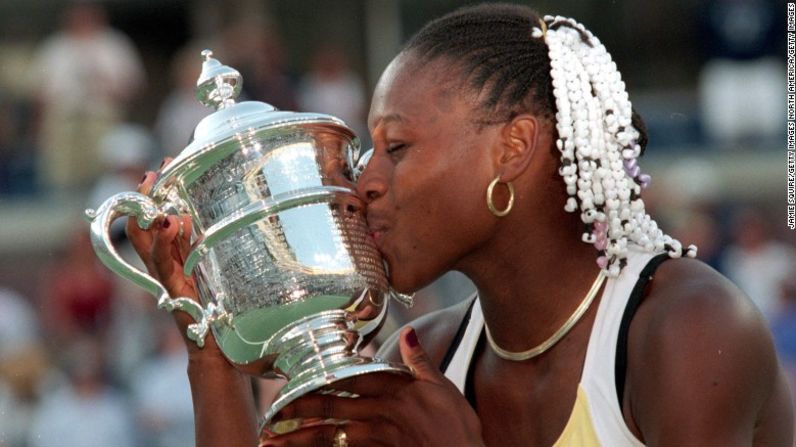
{"x":218,"y":87}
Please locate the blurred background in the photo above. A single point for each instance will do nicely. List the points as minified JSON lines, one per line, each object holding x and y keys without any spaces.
{"x":94,"y":93}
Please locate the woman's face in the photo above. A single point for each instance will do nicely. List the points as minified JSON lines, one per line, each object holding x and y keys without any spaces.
{"x":425,"y":184}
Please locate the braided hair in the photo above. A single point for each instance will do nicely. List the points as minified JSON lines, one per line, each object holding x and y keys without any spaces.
{"x":554,"y":68}
{"x":492,"y":43}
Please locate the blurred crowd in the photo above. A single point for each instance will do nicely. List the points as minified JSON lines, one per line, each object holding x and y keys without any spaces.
{"x":86,"y":360}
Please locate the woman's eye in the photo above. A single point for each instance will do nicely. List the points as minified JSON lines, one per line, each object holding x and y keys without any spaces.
{"x":395,"y":147}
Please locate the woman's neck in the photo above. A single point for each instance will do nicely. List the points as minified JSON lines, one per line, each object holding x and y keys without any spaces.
{"x":531,"y":276}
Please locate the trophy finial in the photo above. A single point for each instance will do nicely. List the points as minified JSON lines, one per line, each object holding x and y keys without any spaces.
{"x":218,"y":85}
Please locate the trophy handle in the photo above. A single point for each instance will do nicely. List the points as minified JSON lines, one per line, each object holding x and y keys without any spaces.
{"x":144,"y":209}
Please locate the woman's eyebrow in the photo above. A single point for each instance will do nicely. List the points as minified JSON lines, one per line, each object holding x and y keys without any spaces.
{"x":392,"y":117}
{"x":387,"y":119}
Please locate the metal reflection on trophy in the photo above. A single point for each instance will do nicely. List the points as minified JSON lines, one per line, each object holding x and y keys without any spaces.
{"x":288,"y":280}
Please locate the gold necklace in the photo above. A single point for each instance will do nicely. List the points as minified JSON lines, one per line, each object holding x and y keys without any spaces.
{"x":556,"y":337}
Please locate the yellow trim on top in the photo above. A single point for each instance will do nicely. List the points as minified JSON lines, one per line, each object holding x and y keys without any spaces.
{"x":579,"y":431}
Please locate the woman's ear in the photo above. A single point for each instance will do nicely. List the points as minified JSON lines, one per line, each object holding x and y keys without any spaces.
{"x":519,"y":139}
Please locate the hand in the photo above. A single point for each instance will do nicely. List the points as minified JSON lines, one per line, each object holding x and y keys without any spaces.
{"x":224,"y":411}
{"x":163,"y":248}
{"x":391,"y":410}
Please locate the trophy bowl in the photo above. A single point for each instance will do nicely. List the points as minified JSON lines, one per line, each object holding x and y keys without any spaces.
{"x":289,"y":282}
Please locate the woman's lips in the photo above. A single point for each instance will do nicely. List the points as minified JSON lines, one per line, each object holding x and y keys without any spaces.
{"x":377,"y":228}
{"x":376,"y":235}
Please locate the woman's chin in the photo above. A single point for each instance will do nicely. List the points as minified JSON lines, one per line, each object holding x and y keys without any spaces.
{"x":407,"y":284}
{"x":406,"y":281}
{"x":401,"y":287}
{"x":401,"y":284}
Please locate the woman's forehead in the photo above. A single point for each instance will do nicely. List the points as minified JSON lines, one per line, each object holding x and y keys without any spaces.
{"x":410,"y":85}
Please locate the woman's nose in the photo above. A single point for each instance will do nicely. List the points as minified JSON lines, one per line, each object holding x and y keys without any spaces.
{"x":371,"y":183}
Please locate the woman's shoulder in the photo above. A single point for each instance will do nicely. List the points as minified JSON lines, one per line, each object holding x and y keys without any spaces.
{"x":687,"y":293}
{"x":689,"y":308}
{"x":435,"y":331}
{"x":686,"y":284}
{"x":697,"y":347}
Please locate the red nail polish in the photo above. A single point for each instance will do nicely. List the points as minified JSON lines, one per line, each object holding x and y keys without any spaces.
{"x":166,"y":223}
{"x":162,"y":163}
{"x":143,"y":178}
{"x":411,"y":339}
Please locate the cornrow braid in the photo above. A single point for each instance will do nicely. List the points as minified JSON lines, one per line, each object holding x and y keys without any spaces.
{"x":495,"y":50}
{"x":555,"y":68}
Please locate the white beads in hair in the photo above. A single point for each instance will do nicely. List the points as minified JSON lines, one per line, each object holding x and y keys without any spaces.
{"x":599,"y":147}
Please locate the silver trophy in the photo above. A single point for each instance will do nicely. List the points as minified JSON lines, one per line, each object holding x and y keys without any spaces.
{"x":289,"y":282}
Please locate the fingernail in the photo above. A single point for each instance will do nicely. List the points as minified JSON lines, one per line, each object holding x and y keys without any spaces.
{"x":166,"y":222}
{"x":411,"y":339}
{"x":162,"y":163}
{"x":143,"y":178}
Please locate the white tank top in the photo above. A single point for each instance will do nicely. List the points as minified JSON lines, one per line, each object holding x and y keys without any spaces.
{"x":596,"y":418}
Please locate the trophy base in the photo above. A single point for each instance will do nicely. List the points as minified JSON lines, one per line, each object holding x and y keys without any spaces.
{"x":322,"y":352}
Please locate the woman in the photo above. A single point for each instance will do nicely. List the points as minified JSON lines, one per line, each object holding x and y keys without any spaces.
{"x":492,"y":101}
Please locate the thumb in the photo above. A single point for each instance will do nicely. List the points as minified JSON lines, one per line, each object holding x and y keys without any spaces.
{"x":413,"y":355}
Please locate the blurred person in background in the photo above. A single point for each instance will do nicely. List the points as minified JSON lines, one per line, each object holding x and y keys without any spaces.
{"x":124,"y":150}
{"x":23,"y":367}
{"x":687,"y":198}
{"x":756,"y":261}
{"x":17,"y":98}
{"x":76,"y":293}
{"x":83,"y":410}
{"x":253,"y":46}
{"x":741,"y":84}
{"x":179,"y":113}
{"x":700,"y":227}
{"x":86,"y":74}
{"x":160,"y":394}
{"x":331,"y":86}
{"x":16,"y":148}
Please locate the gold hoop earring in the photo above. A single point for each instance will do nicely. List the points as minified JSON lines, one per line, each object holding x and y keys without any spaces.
{"x":491,"y":204}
